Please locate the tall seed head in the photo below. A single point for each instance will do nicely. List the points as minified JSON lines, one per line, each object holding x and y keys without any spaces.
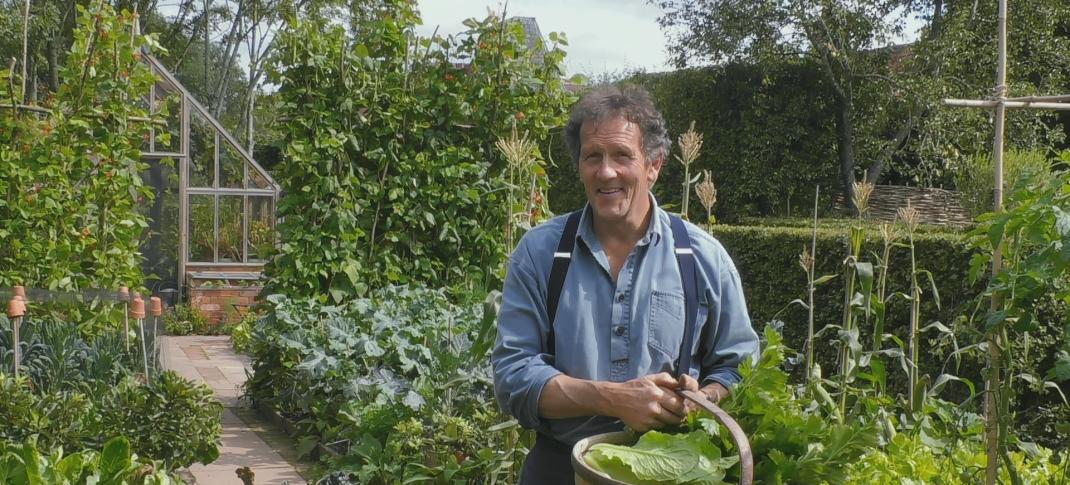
{"x":910,"y":217}
{"x":889,"y":232}
{"x":517,"y":149}
{"x":706,"y":191}
{"x":806,"y":261}
{"x":863,"y":190}
{"x":690,"y":144}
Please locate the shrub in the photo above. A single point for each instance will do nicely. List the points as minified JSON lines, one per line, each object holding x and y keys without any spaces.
{"x":185,"y":320}
{"x":170,"y":419}
{"x":974,"y":176}
{"x":76,"y":394}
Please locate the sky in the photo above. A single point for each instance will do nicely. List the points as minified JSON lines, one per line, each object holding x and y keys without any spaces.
{"x":604,"y":36}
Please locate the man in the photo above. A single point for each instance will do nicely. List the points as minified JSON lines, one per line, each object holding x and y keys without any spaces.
{"x":603,"y":360}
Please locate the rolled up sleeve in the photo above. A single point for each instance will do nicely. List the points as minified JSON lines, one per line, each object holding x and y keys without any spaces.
{"x":521,"y":368}
{"x":729,"y":338}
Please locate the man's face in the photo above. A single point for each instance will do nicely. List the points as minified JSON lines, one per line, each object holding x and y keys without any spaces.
{"x":615,"y":172}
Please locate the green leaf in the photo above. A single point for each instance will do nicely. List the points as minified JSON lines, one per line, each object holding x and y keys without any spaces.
{"x":824,"y":279}
{"x":1060,"y":372}
{"x":994,"y":319}
{"x":932,"y":285}
{"x":995,"y":233}
{"x":115,"y":459}
{"x":663,"y":458}
{"x":306,"y":444}
{"x":942,"y":381}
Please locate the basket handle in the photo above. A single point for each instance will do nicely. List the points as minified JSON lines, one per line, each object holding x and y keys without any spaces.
{"x":746,"y":458}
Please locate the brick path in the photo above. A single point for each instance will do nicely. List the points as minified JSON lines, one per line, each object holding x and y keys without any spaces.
{"x":245,"y":438}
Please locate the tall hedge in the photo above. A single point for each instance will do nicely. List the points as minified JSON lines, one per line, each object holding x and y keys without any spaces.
{"x":767,"y":138}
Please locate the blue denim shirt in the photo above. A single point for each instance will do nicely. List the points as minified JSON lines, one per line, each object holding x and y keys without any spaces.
{"x":610,"y":331}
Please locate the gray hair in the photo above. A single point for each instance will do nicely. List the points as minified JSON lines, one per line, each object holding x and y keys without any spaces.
{"x":627,"y":100}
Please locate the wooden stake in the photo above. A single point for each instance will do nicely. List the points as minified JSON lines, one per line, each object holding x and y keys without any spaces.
{"x":992,"y":417}
{"x":993,"y":103}
{"x":124,"y":295}
{"x":25,"y":49}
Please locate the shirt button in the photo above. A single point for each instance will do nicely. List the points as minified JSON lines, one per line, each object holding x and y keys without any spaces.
{"x":620,"y":297}
{"x":619,"y":330}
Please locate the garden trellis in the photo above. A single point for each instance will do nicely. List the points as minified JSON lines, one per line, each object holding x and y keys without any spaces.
{"x":995,"y":340}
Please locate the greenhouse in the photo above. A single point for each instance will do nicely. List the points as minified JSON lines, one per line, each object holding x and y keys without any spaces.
{"x":210,"y":190}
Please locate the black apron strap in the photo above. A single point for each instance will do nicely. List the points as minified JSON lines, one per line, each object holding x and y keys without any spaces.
{"x":685,"y":259}
{"x":562,"y":258}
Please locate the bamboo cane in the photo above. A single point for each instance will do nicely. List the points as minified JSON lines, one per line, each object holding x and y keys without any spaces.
{"x":124,"y":296}
{"x":137,"y":311}
{"x":992,"y":417}
{"x":16,"y":308}
{"x":157,"y":310}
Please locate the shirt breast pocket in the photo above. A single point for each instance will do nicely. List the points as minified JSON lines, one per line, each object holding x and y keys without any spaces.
{"x":666,"y":324}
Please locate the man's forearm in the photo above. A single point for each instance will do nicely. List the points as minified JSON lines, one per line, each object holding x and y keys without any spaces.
{"x":568,"y":397}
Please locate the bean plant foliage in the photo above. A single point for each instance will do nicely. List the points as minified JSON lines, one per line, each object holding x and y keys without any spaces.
{"x":399,"y":381}
{"x":390,"y":172}
{"x":70,"y":179}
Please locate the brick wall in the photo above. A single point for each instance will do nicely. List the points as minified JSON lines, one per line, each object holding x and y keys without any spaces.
{"x":223,"y":304}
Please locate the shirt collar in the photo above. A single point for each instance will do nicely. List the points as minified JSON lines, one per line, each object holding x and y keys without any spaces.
{"x":659,"y":223}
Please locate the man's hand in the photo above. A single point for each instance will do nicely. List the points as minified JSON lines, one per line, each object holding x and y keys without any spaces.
{"x":647,"y":402}
{"x":713,"y":391}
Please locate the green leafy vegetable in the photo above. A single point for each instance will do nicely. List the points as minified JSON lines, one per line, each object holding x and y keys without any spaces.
{"x":663,"y":458}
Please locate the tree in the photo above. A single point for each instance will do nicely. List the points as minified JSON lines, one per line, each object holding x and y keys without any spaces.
{"x":843,"y":37}
{"x":961,"y":62}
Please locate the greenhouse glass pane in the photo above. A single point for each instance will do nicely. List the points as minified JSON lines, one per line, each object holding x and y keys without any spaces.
{"x":261,"y":228}
{"x":160,"y":244}
{"x":202,"y":228}
{"x":201,"y":151}
{"x":230,"y":166}
{"x":230,"y":228}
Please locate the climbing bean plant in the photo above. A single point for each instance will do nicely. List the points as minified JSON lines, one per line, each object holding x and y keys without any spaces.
{"x":70,"y":180}
{"x":390,"y":171}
